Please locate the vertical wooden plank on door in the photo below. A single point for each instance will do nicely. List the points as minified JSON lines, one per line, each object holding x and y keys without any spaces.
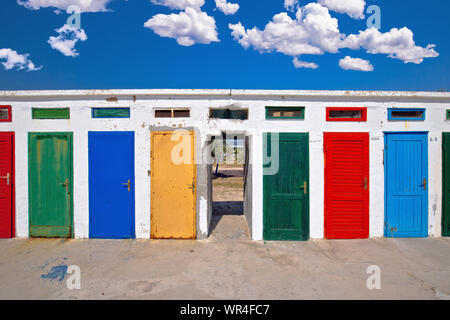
{"x":6,"y":184}
{"x":286,"y":192}
{"x":446,"y":184}
{"x":50,"y":184}
{"x":346,"y":185}
{"x":173,"y":185}
{"x":406,"y":184}
{"x":111,"y":185}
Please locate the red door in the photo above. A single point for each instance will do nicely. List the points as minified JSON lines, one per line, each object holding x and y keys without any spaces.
{"x":346,"y":185}
{"x":6,"y":185}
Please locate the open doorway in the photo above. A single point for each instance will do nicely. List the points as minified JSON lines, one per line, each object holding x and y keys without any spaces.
{"x":229,"y":172}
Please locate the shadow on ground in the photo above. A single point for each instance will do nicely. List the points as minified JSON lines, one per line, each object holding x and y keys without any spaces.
{"x":228,"y":221}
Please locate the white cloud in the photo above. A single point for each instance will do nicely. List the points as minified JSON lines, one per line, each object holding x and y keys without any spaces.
{"x":67,"y":39}
{"x":354,"y":8}
{"x":313,"y":31}
{"x":84,"y":5}
{"x":291,"y":5}
{"x":187,"y":27}
{"x":397,"y":44}
{"x":179,"y":4}
{"x":227,"y":7}
{"x":303,"y":64}
{"x":16,"y":60}
{"x":349,"y":63}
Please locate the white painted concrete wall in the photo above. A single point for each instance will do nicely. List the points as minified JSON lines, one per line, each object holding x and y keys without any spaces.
{"x":143,"y":103}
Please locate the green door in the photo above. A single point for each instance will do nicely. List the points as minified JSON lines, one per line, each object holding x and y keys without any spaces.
{"x":446,"y":184}
{"x":286,"y":186}
{"x":50,"y":184}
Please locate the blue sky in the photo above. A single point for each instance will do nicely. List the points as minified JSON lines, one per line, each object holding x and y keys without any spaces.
{"x":120,"y":52}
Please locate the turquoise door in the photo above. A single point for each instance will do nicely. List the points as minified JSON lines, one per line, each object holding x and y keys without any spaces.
{"x":406,"y":185}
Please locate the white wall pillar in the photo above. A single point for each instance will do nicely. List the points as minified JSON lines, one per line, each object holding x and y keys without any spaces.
{"x":376,"y":184}
{"x":316,"y":185}
{"x":21,"y":179}
{"x":435,"y":184}
{"x":80,"y":183}
{"x":257,"y":185}
{"x":202,"y":184}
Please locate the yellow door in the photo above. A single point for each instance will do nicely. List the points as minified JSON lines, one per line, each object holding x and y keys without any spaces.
{"x":173,"y":185}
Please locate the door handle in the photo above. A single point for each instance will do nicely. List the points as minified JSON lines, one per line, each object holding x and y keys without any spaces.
{"x":65,"y":184}
{"x":192,"y":187}
{"x":304,"y":187}
{"x":365,"y":183}
{"x":424,"y":184}
{"x":128,"y":184}
{"x":7,"y":177}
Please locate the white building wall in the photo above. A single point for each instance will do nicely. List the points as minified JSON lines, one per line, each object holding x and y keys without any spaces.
{"x":142,"y":121}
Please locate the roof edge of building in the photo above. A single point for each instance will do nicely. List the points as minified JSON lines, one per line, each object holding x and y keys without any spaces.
{"x":223,"y":93}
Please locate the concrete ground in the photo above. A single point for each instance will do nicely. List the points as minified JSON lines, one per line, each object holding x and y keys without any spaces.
{"x":227,"y":220}
{"x":228,"y":227}
{"x":226,"y":266}
{"x":225,"y":269}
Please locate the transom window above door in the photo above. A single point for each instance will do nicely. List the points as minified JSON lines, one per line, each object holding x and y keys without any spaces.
{"x":98,"y":113}
{"x":346,"y":114}
{"x":410,"y":114}
{"x":228,"y":114}
{"x":172,"y":113}
{"x":5,"y":114}
{"x":50,"y":113}
{"x":285,"y":113}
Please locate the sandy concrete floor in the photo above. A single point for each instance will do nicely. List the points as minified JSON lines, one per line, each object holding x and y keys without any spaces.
{"x":229,"y":227}
{"x":228,"y":189}
{"x":228,"y":221}
{"x":225,"y":269}
{"x":226,"y":266}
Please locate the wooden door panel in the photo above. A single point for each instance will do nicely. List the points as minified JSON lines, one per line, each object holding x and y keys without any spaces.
{"x":446,"y":184}
{"x":111,"y":185}
{"x":50,"y":184}
{"x":173,"y":185}
{"x":346,"y":185}
{"x":6,"y":184}
{"x":406,"y":185}
{"x":286,"y":191}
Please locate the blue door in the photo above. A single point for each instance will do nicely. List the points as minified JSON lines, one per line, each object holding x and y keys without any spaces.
{"x":406,"y":185}
{"x":111,"y":185}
